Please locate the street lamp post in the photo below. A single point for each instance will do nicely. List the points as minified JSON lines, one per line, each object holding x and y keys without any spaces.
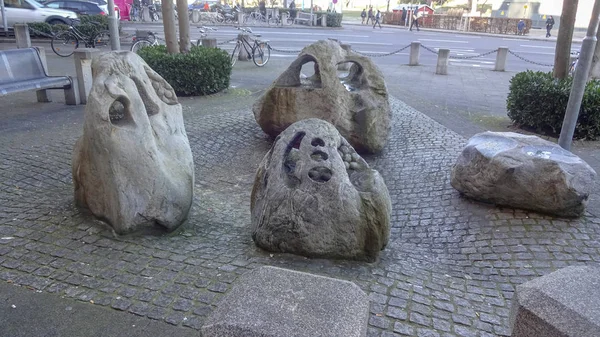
{"x":113,"y":26}
{"x":579,"y":80}
{"x":4,"y":20}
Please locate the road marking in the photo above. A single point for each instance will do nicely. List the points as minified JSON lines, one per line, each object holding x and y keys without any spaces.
{"x":449,"y":41}
{"x":468,"y":37}
{"x":508,"y":39}
{"x":530,"y":46}
{"x":531,"y":52}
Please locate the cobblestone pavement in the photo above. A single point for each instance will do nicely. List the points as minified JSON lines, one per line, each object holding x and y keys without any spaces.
{"x":450,"y":269}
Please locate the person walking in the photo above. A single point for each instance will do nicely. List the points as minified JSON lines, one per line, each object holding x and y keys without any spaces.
{"x":521,"y":27}
{"x":549,"y":25}
{"x":415,"y":21}
{"x":377,"y":18}
{"x":370,"y":15}
{"x":363,"y":15}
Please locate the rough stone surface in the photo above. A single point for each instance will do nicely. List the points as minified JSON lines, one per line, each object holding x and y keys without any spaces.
{"x":523,"y":171}
{"x":315,"y":196}
{"x":133,"y":166}
{"x":275,"y":302}
{"x":443,"y":249}
{"x":356,"y":103}
{"x":563,"y":303}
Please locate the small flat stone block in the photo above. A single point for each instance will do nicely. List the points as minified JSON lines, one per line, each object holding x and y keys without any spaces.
{"x":565,"y":303}
{"x":275,"y":302}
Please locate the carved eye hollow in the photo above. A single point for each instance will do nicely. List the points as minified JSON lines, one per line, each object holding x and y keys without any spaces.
{"x":317,"y":142}
{"x":119,"y":113}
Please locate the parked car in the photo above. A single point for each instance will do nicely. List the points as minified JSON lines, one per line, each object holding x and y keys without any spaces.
{"x":79,"y":7}
{"x":23,"y":11}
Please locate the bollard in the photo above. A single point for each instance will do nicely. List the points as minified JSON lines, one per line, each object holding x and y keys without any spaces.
{"x":284,"y":17}
{"x":22,"y":35}
{"x":243,"y":56}
{"x":211,"y":43}
{"x":146,"y":14}
{"x":442,"y":62}
{"x":83,"y":68}
{"x":195,"y":16}
{"x":415,"y":48}
{"x":43,"y":96}
{"x":501,"y":59}
{"x":345,"y":65}
{"x":324,"y":20}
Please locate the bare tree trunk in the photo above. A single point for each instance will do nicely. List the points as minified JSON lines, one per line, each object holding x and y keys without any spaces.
{"x":168,"y":16}
{"x":595,"y":68}
{"x":184,"y":26}
{"x":563,"y":41}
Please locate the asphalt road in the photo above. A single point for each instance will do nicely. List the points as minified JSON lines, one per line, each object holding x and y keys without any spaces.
{"x":382,"y":41}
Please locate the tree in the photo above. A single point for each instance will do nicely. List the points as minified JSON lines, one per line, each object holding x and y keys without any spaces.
{"x":168,"y":16}
{"x":184,"y":26}
{"x":563,"y":41}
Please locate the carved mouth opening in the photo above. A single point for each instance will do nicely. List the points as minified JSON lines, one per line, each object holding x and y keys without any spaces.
{"x":119,"y":113}
{"x":350,"y":73}
{"x":320,"y":174}
{"x":319,"y":156}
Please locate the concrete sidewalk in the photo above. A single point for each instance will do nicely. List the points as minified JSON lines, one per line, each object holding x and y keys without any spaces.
{"x":450,"y":269}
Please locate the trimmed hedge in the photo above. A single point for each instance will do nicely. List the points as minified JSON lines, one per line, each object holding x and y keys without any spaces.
{"x":537,"y":100}
{"x":85,"y":26}
{"x":202,"y":71}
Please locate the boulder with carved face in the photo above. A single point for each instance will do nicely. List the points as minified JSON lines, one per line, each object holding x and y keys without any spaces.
{"x":133,"y":166}
{"x":315,"y":196}
{"x":356,"y":102}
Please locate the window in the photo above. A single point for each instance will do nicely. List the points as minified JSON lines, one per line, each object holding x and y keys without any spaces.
{"x":17,"y":4}
{"x":55,"y":5}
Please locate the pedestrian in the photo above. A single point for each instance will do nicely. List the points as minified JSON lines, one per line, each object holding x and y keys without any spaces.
{"x":293,"y":9}
{"x":521,"y":27}
{"x":377,"y":18}
{"x":363,"y":15}
{"x":262,"y":8}
{"x":549,"y":25}
{"x":370,"y":15}
{"x":415,"y":21}
{"x":404,"y":16}
{"x":206,"y":7}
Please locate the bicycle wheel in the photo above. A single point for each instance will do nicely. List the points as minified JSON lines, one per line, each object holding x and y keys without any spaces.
{"x":235,"y":54}
{"x":261,"y":53}
{"x":139,"y":44}
{"x":101,"y":40}
{"x":64,"y":44}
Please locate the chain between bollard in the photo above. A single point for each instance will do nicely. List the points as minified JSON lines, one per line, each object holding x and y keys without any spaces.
{"x":226,"y":42}
{"x":474,"y":56}
{"x":286,"y":51}
{"x":429,"y":49}
{"x":529,"y":61}
{"x":40,"y":33}
{"x":381,"y":55}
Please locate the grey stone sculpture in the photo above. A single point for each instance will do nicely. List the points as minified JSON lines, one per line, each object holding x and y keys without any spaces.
{"x":357,"y":104}
{"x":315,"y":196}
{"x":133,"y":165}
{"x":523,"y":171}
{"x":274,"y":302}
{"x":564,"y":303}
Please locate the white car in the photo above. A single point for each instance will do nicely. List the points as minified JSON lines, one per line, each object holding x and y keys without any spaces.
{"x":24,"y":11}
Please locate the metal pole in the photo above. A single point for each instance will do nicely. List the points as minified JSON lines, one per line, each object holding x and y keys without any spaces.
{"x":4,"y":20}
{"x":579,"y":80}
{"x":311,"y":12}
{"x":113,"y":26}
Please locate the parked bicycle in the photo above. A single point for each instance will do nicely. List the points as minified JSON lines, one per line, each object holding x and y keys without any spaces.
{"x":143,"y":39}
{"x":65,"y":43}
{"x":259,"y":50}
{"x":574,"y":63}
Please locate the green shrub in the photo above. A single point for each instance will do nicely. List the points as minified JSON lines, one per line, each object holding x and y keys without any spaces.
{"x":92,"y":24}
{"x":334,"y":19}
{"x":202,"y":71}
{"x":536,"y":100}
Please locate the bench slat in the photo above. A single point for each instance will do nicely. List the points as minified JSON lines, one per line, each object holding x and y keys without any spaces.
{"x":21,"y":65}
{"x":37,"y":84}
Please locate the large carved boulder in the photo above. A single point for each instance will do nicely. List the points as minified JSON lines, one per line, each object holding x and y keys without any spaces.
{"x":315,"y":196}
{"x":133,"y":165}
{"x":523,"y":171}
{"x":357,"y":104}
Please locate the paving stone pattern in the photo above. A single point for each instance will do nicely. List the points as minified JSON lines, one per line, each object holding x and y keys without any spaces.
{"x":450,"y":269}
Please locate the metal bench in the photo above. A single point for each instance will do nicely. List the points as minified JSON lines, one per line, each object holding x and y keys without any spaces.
{"x":23,"y":70}
{"x":303,"y":18}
